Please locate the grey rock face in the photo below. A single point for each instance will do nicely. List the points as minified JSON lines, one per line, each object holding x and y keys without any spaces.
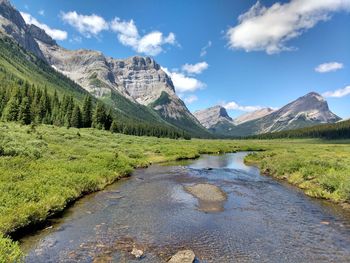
{"x":40,"y":34}
{"x":252,"y":115}
{"x":139,"y":79}
{"x":12,"y":24}
{"x":312,"y":108}
{"x":212,"y":116}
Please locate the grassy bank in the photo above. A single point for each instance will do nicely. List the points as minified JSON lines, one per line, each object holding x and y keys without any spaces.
{"x":320,"y":168}
{"x":44,"y":168}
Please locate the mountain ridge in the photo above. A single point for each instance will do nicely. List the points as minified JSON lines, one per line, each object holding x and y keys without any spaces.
{"x":138,"y":79}
{"x":308,"y":110}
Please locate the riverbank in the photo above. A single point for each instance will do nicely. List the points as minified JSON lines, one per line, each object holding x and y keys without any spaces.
{"x":320,"y":168}
{"x":46,"y":168}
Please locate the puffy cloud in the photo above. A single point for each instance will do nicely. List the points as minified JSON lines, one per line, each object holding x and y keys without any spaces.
{"x":205,"y":48}
{"x":329,"y":67}
{"x":269,"y":29}
{"x":339,"y":93}
{"x":184,"y":83}
{"x":87,"y":25}
{"x":190,"y":99}
{"x":52,"y":32}
{"x":149,"y":44}
{"x":195,"y":68}
{"x":235,"y":106}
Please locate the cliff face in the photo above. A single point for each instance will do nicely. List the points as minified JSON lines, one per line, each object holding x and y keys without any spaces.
{"x":12,"y":24}
{"x":138,"y":79}
{"x":213,"y":116}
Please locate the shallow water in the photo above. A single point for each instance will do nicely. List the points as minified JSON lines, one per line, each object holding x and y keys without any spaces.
{"x":262,"y":220}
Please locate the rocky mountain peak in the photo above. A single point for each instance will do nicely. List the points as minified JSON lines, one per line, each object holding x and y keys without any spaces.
{"x":141,"y":63}
{"x":13,"y":25}
{"x":212,"y":116}
{"x":311,"y":103}
{"x":40,"y":34}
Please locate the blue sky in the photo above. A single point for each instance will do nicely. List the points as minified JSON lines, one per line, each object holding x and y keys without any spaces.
{"x":254,"y":54}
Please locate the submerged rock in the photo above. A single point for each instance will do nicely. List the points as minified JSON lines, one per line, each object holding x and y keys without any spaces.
{"x":138,"y":253}
{"x":210,"y":197}
{"x":183,"y":256}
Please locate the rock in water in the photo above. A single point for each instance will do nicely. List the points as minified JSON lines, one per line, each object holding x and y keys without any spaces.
{"x":138,"y":253}
{"x":183,"y":256}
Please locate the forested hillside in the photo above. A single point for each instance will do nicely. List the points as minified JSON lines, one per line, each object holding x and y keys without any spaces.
{"x":339,"y":130}
{"x":32,"y":92}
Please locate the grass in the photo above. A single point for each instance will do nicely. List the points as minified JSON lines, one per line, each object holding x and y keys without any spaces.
{"x":45,"y":168}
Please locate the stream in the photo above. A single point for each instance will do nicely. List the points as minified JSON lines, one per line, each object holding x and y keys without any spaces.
{"x":259,"y":219}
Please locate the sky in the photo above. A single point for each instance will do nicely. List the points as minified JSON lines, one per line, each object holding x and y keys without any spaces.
{"x":242,"y":54}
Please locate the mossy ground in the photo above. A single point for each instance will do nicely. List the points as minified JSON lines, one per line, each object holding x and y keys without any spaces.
{"x":44,"y":168}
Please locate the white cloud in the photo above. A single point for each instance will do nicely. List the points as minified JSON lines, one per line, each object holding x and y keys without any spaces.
{"x":41,"y":12}
{"x":329,"y":67}
{"x":235,"y":106}
{"x":87,"y":25}
{"x":149,"y":44}
{"x":195,"y":68}
{"x":184,"y":83}
{"x":204,"y":49}
{"x":190,"y":99}
{"x":339,"y":93}
{"x":269,"y":29}
{"x":54,"y":33}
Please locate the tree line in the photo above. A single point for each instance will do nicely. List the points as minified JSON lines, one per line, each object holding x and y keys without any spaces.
{"x":26,"y":103}
{"x":339,"y":130}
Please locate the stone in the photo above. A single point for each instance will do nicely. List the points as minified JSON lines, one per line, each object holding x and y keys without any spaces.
{"x":137,"y":253}
{"x":183,"y":256}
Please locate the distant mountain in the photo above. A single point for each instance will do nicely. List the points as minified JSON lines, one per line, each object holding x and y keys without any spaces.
{"x":212,"y":116}
{"x":309,"y":110}
{"x":136,"y":86}
{"x":252,"y":116}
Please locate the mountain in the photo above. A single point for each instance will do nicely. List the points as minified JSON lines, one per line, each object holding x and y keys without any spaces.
{"x":12,"y":24}
{"x":215,"y":119}
{"x":136,"y":87}
{"x":308,"y":110}
{"x":252,"y":116}
{"x":212,"y":116}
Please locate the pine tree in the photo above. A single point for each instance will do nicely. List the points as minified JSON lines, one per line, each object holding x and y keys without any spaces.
{"x":24,"y":112}
{"x":87,"y":112}
{"x":99,"y":116}
{"x":76,"y":120}
{"x":108,"y":120}
{"x":114,"y":127}
{"x":11,"y":111}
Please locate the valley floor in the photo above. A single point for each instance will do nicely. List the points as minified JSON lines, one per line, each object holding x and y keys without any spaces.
{"x":45,"y":168}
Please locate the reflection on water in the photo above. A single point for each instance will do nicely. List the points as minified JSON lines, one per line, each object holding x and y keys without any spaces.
{"x":262,"y":220}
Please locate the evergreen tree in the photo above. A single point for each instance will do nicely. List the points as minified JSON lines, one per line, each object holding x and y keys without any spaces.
{"x":114,"y":127}
{"x":99,"y":116}
{"x":12,"y":109}
{"x":108,"y":120}
{"x":24,"y":112}
{"x":76,"y":120}
{"x":87,"y":112}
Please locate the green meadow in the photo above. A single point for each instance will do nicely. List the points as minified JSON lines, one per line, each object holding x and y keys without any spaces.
{"x":45,"y":168}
